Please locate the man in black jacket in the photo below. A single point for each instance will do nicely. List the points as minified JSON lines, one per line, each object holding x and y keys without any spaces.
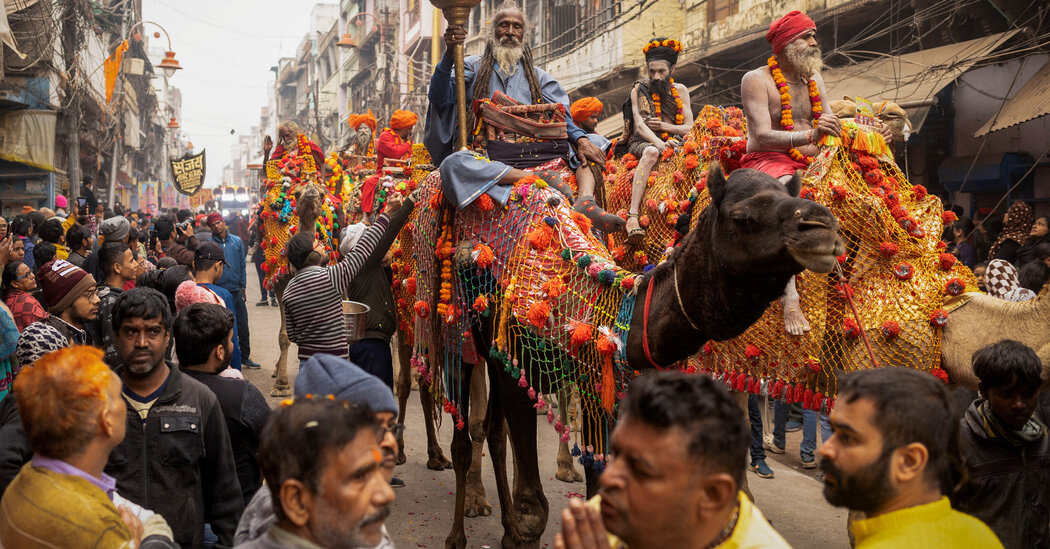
{"x":371,"y":286}
{"x":176,"y":457}
{"x":204,"y":345}
{"x":1006,"y":448}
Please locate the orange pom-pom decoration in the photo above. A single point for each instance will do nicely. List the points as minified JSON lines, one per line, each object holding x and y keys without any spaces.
{"x":481,"y":304}
{"x":581,"y":332}
{"x":553,"y":287}
{"x":582,"y":221}
{"x":940,"y":374}
{"x":541,"y":237}
{"x":691,"y":162}
{"x":752,"y":352}
{"x":538,"y":313}
{"x":485,"y":203}
{"x":485,"y":258}
{"x":410,"y":285}
{"x":422,"y":309}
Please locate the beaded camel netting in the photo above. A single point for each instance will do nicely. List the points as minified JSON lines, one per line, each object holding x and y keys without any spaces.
{"x":284,"y":178}
{"x":561,"y":300}
{"x":898,"y":273}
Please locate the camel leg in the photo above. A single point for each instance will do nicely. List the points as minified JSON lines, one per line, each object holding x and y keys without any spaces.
{"x":461,"y":463}
{"x":566,"y":471}
{"x":403,"y":387}
{"x":436,"y":460}
{"x":524,"y":514}
{"x":477,"y":503}
{"x":281,"y":388}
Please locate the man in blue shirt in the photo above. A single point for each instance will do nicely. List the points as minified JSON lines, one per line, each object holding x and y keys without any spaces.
{"x":506,"y":66}
{"x":234,"y":279}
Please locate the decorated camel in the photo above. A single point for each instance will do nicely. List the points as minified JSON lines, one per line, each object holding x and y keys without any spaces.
{"x":294,"y":200}
{"x":544,"y":301}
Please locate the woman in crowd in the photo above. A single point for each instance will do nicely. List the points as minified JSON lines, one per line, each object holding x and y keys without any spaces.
{"x":1017,"y":227}
{"x":1003,"y":283}
{"x":1038,"y":235}
{"x":18,"y":282}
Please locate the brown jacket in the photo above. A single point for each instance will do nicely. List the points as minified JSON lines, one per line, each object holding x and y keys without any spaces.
{"x":182,"y":254}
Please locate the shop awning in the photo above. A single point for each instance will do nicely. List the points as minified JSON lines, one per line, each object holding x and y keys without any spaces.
{"x":28,"y":137}
{"x":913,"y":77}
{"x":1030,"y":102}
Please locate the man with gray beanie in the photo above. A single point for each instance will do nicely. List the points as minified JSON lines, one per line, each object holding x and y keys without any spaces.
{"x":322,"y":375}
{"x":114,"y":229}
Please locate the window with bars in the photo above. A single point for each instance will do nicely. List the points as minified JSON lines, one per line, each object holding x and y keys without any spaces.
{"x":719,"y":10}
{"x":569,"y":23}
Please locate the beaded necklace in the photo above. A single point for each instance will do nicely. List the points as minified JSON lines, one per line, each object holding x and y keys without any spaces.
{"x":679,"y":117}
{"x":786,"y":121}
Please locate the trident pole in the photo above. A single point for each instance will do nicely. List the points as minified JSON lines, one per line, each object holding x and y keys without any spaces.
{"x":457,"y":12}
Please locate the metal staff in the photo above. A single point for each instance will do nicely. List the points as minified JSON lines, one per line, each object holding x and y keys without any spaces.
{"x":457,"y":12}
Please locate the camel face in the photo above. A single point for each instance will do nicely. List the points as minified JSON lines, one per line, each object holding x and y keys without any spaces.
{"x":761,"y":226}
{"x":897,"y":119}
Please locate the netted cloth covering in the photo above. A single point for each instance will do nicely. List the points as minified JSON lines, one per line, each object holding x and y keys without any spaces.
{"x":898,"y":271}
{"x":284,"y":177}
{"x":562,"y":307}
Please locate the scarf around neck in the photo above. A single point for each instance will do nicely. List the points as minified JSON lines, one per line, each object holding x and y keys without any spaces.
{"x":1032,"y":431}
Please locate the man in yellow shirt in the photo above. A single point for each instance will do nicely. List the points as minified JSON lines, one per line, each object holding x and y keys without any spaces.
{"x":675,"y":477}
{"x":893,"y":454}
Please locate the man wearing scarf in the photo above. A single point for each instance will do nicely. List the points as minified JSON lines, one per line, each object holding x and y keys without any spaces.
{"x":1006,"y":448}
{"x":652,"y":127}
{"x":394,"y":143}
{"x":506,"y":66}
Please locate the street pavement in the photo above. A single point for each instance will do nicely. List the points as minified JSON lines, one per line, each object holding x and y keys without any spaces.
{"x":422,"y":514}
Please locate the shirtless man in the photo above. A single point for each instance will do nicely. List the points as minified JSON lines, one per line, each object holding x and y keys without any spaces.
{"x":654,"y":130}
{"x":781,"y":149}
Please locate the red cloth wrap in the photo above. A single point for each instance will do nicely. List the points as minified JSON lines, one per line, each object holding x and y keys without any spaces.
{"x":777,"y":164}
{"x":368,"y":193}
{"x":785,"y":30}
{"x":387,"y":146}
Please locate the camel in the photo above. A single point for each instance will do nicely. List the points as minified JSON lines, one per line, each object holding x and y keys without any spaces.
{"x":761,"y":235}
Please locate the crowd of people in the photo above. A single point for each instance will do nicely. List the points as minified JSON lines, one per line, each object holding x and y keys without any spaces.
{"x":125,"y":420}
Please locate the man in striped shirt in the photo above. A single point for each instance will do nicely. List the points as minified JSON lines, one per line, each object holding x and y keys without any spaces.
{"x":312,"y":309}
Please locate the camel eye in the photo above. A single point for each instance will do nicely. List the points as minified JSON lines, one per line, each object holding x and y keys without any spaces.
{"x":742,"y":217}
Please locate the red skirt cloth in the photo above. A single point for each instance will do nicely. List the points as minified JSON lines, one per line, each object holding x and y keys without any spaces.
{"x":368,"y":193}
{"x":777,"y":164}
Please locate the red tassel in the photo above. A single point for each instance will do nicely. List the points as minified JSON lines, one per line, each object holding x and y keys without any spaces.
{"x":800,"y":392}
{"x":731,"y":380}
{"x":818,"y":401}
{"x":608,"y":384}
{"x":778,"y":388}
{"x":752,"y":385}
{"x":831,"y":405}
{"x":807,"y":401}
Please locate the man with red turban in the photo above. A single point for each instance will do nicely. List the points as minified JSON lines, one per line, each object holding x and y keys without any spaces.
{"x":788,"y":112}
{"x":585,"y":113}
{"x":394,"y":143}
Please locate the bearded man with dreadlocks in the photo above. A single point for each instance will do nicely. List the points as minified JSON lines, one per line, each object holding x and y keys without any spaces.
{"x":507,"y":67}
{"x":660,"y":115}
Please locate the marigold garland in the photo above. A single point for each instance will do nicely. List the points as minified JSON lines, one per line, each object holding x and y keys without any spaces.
{"x":786,"y":122}
{"x":679,"y":116}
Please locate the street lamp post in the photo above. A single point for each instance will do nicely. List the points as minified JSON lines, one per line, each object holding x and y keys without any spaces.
{"x":169,"y":65}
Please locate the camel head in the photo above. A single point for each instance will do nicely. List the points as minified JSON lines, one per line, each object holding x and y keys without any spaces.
{"x":308,"y":199}
{"x":844,"y":108}
{"x":761,"y":226}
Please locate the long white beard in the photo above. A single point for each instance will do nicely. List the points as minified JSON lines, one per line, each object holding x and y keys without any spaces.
{"x":805,"y":59}
{"x":508,"y":56}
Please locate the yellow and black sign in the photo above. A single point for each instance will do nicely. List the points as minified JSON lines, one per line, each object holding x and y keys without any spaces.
{"x":188,"y":173}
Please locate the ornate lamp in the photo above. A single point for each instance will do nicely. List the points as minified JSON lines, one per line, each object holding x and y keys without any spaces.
{"x":457,"y":12}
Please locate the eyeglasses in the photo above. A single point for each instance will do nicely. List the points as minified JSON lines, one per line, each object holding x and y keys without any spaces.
{"x":397,"y":429}
{"x":90,"y":294}
{"x":23,"y":276}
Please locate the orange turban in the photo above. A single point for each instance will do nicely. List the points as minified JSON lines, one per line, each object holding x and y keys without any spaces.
{"x":584,"y":108}
{"x":787,"y":29}
{"x":403,"y":119}
{"x":356,"y":120}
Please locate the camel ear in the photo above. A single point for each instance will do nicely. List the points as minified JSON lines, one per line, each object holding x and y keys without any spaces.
{"x":716,"y":184}
{"x":794,"y":186}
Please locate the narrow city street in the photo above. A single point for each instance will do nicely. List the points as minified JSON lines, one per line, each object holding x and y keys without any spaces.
{"x":422,"y":514}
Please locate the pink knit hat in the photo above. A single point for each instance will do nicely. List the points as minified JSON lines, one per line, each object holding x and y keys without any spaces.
{"x":189,"y":293}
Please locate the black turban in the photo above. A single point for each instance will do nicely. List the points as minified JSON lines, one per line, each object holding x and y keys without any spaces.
{"x":661,"y":52}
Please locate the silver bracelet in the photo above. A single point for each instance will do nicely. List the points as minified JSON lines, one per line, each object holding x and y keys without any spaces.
{"x":791,"y":139}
